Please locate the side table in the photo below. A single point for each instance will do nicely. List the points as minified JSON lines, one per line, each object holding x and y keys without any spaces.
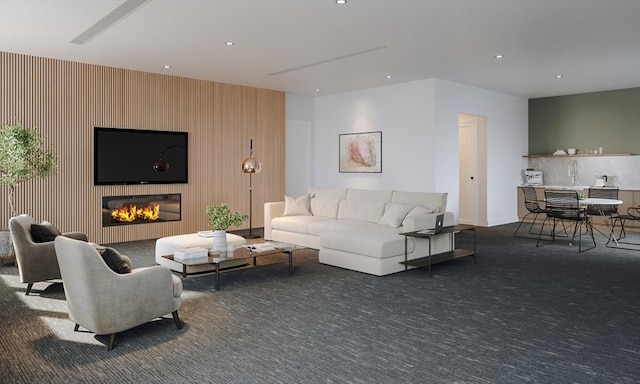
{"x":443,"y":256}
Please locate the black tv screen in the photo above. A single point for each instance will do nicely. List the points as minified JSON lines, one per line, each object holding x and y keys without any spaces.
{"x":133,"y":156}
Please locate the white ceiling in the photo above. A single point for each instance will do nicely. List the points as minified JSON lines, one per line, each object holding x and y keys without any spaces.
{"x":300,"y":45}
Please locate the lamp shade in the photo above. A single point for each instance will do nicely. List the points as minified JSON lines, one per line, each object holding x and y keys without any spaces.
{"x":251,"y":165}
{"x":160,"y":166}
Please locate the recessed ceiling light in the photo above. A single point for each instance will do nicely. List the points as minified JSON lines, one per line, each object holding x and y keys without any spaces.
{"x":167,"y":66}
{"x":559,"y":76}
{"x":317,"y":89}
{"x":341,"y":2}
{"x":499,"y":56}
{"x":229,"y":43}
{"x":388,"y":76}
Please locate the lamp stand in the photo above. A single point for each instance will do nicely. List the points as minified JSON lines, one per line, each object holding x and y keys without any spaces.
{"x":250,"y":165}
{"x":251,"y":235}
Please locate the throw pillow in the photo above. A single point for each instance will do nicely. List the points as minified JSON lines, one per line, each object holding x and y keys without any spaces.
{"x":296,"y":207}
{"x":44,"y":232}
{"x":394,"y":214}
{"x":325,"y":207}
{"x":114,"y":259}
{"x":418,"y":211}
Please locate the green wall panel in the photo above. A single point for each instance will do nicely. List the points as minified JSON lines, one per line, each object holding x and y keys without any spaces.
{"x":608,"y":119}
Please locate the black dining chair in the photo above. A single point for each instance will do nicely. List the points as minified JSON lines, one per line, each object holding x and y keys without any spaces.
{"x":610,"y":210}
{"x":533,"y":207}
{"x":633,"y":214}
{"x":564,"y":206}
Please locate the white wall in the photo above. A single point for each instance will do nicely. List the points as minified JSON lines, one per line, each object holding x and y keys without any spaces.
{"x":405,"y":115}
{"x":419,"y":124}
{"x":298,"y":150}
{"x":507,"y":142}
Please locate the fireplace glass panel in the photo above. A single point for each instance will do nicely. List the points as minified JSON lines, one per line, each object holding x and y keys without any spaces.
{"x":141,"y":209}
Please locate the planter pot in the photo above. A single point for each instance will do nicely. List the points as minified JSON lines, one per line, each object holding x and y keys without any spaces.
{"x":7,"y":252}
{"x":220,"y":241}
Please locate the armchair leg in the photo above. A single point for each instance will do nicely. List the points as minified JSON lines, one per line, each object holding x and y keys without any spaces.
{"x":112,"y":338}
{"x":176,"y":319}
{"x":29,"y":286}
{"x":75,"y":329}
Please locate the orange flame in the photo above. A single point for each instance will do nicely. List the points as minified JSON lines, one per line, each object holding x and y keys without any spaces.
{"x":130,"y":213}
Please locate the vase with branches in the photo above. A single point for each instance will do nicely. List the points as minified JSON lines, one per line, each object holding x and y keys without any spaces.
{"x":221,"y":217}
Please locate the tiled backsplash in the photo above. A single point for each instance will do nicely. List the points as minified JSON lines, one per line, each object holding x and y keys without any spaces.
{"x":621,"y":171}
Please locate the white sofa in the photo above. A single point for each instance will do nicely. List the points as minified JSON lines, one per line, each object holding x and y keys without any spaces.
{"x":359,"y":229}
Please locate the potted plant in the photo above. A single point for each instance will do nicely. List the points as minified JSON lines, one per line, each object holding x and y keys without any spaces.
{"x":220,"y":219}
{"x":22,"y":157}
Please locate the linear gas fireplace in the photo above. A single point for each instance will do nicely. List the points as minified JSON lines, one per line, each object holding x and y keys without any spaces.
{"x":141,"y":209}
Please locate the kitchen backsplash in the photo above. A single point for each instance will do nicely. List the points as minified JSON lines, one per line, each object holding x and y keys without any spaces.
{"x":621,"y":171}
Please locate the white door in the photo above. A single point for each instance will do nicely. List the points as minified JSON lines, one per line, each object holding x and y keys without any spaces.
{"x":472,"y":169}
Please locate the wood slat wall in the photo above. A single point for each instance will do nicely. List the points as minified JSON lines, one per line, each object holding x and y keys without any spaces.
{"x":64,"y":100}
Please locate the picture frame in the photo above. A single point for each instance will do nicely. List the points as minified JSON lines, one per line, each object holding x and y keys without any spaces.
{"x":360,"y":152}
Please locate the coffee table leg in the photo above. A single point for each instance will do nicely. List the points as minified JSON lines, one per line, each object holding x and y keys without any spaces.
{"x":290,"y":262}
{"x":217,"y":276}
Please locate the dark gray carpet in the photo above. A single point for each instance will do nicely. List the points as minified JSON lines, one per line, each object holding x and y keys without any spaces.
{"x":521,"y":315}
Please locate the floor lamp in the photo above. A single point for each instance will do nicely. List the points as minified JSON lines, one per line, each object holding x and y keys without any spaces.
{"x":251,"y":165}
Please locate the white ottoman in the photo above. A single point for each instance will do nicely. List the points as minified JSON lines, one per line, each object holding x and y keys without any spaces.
{"x":168,"y":245}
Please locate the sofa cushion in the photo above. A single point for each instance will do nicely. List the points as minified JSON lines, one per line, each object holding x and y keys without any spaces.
{"x":394,"y":214}
{"x":296,"y":207}
{"x":324,"y":207}
{"x":360,"y":210}
{"x":298,"y":224}
{"x":369,"y":195}
{"x":44,"y":232}
{"x":379,"y":241}
{"x":434,"y":200}
{"x":328,"y":193}
{"x":317,"y":228}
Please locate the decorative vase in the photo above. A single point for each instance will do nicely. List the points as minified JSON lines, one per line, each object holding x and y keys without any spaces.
{"x":220,"y":240}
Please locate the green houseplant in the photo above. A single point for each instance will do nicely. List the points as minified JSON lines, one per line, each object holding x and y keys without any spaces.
{"x":222,"y":217}
{"x":22,"y":157}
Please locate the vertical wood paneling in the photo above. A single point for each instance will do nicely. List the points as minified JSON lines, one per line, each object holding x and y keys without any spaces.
{"x":65,"y":100}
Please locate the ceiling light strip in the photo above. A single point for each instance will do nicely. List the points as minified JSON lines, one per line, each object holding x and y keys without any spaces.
{"x":328,"y":60}
{"x":124,"y":10}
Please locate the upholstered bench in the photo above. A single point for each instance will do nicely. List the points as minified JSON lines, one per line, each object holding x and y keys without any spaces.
{"x":168,"y":245}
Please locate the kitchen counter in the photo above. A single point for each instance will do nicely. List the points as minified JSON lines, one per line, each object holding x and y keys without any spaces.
{"x":576,"y":187}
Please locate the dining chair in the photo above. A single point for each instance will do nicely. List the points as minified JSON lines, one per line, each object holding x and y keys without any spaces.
{"x":563,"y":205}
{"x":633,"y":214}
{"x":533,"y":207}
{"x":609,"y":210}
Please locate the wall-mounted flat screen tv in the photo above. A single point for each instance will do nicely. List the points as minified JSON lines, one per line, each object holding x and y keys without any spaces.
{"x":135,"y":156}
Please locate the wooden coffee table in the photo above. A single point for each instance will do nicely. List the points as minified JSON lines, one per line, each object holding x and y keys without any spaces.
{"x":248,"y":252}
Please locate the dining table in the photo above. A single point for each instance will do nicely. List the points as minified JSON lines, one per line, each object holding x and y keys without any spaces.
{"x":599,"y":202}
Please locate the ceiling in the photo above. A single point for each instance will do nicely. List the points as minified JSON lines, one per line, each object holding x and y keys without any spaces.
{"x":317,"y":47}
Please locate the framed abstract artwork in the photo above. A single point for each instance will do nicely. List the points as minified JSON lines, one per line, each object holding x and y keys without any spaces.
{"x":360,"y":152}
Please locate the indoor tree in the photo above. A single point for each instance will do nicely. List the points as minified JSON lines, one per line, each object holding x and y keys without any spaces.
{"x":23,"y":156}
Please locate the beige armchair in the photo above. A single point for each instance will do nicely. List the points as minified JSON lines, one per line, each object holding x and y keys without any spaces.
{"x":105,"y":302}
{"x":36,"y":261}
